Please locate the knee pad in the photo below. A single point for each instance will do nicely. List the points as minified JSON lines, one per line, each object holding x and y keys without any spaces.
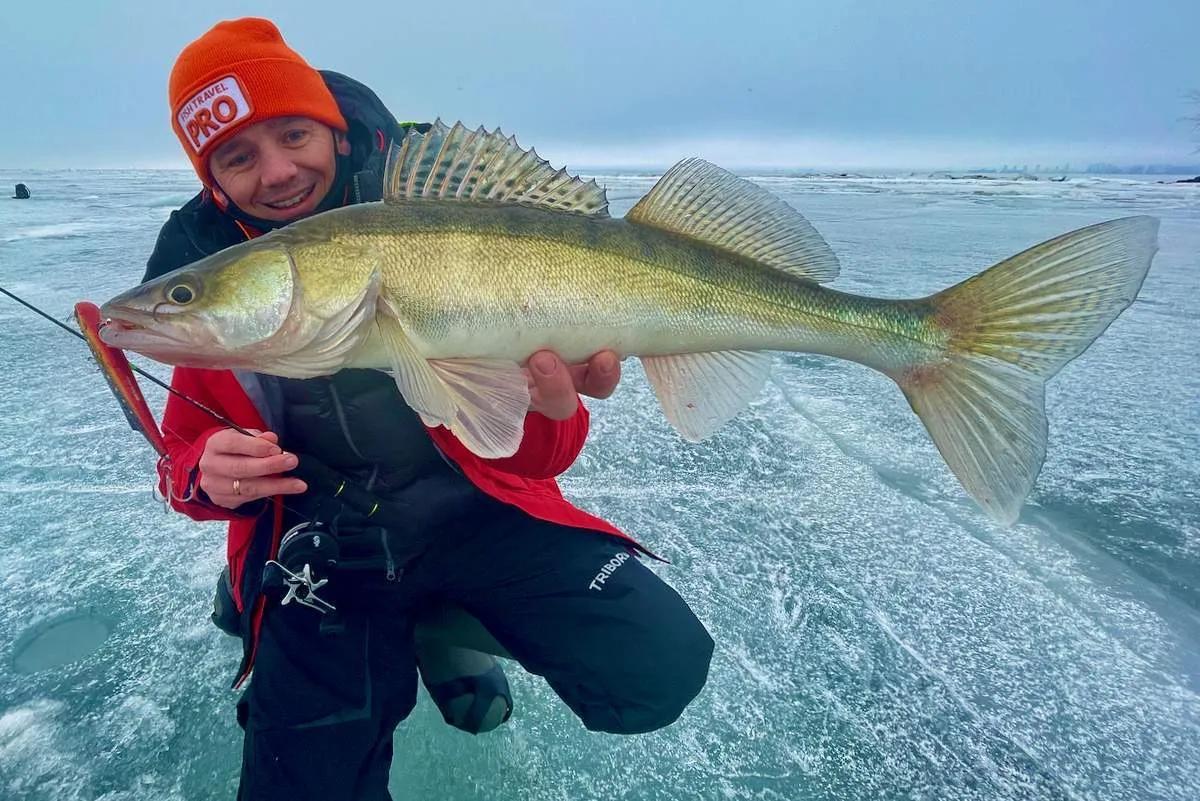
{"x":475,"y":704}
{"x":466,"y":681}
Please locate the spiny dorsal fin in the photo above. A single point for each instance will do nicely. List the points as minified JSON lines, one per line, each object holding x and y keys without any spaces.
{"x":714,"y":206}
{"x":461,"y":164}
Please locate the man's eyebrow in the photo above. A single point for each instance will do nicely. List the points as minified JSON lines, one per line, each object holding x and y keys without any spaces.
{"x":226,"y":148}
{"x":287,"y":122}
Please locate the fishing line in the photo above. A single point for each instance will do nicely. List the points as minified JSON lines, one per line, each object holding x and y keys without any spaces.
{"x":344,"y":482}
{"x":65,"y":638}
{"x":148,"y":376}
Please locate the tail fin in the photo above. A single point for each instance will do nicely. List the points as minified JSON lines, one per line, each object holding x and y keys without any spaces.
{"x":1010,"y":329}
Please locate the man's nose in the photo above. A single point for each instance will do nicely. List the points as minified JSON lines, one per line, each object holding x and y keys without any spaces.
{"x":277,"y":167}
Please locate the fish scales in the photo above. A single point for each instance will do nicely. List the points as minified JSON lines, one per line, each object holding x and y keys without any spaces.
{"x":503,"y":281}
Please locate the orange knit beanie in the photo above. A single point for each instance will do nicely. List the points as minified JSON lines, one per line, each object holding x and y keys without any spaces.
{"x":239,"y":73}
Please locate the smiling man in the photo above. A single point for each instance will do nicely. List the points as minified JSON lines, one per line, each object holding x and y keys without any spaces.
{"x":273,"y":141}
{"x":278,"y":170}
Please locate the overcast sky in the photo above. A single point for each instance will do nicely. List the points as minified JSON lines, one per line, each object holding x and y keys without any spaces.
{"x":896,"y":83}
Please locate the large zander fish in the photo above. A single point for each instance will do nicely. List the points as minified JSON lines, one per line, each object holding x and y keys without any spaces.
{"x":481,"y":254}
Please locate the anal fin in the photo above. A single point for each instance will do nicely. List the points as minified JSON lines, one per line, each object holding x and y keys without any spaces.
{"x":700,"y":392}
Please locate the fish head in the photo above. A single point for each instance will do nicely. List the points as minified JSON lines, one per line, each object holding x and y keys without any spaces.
{"x":228,"y":310}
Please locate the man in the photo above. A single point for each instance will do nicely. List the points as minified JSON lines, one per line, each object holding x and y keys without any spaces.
{"x":559,"y":590}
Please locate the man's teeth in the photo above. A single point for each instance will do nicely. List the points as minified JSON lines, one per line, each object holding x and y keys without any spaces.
{"x":292,"y":201}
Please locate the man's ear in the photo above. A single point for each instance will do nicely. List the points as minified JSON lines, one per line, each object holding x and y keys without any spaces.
{"x":342,"y":142}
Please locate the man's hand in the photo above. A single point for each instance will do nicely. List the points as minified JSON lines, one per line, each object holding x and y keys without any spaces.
{"x":554,"y":384}
{"x":250,"y":465}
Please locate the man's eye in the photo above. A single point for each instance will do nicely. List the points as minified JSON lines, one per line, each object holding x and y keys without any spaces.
{"x":237,"y":160}
{"x":295,"y":136}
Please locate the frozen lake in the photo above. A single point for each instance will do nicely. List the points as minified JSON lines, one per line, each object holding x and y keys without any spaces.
{"x":877,"y":636}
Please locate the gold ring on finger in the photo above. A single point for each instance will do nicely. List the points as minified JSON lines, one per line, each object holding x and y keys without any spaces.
{"x":237,"y":486}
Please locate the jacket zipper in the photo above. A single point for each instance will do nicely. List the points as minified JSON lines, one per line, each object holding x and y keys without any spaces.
{"x":387,"y":550}
{"x":341,"y":416}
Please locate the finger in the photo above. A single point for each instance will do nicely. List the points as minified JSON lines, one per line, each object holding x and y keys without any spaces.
{"x":266,"y":486}
{"x":230,"y":441}
{"x":553,"y":393}
{"x":254,"y":489}
{"x":269,"y":436}
{"x":230,"y":467}
{"x":599,"y":377}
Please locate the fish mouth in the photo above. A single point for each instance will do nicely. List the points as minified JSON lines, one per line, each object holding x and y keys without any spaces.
{"x":136,"y":330}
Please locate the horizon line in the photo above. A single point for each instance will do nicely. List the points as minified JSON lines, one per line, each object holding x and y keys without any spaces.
{"x":658,"y":168}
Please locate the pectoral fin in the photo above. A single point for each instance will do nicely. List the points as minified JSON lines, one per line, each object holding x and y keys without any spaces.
{"x":420,"y":385}
{"x":482,"y":401}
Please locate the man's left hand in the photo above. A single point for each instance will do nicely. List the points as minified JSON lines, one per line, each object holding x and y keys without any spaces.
{"x":554,"y":385}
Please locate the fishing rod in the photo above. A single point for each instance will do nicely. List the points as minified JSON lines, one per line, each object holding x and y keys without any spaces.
{"x":307,"y":546}
{"x":306,"y":542}
{"x":308,"y":468}
{"x":148,"y":376}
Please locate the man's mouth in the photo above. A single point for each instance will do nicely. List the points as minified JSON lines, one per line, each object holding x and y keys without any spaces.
{"x":291,"y":201}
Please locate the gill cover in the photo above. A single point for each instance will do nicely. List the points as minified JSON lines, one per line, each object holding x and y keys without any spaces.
{"x":246,"y":300}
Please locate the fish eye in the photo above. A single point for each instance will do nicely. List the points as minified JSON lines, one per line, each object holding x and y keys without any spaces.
{"x":181,"y":294}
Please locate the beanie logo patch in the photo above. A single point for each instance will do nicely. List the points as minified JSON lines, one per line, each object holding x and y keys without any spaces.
{"x":213,"y":109}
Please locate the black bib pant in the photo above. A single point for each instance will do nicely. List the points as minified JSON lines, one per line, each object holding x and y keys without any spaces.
{"x":617,"y":644}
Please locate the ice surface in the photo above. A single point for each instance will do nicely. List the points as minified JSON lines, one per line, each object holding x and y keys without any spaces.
{"x":877,"y":636}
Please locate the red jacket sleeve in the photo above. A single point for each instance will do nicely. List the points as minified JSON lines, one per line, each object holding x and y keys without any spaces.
{"x":186,"y":430}
{"x":548,"y":447}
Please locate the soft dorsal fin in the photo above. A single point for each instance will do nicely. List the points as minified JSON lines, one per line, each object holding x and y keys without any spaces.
{"x":460,"y":164}
{"x":712,"y":205}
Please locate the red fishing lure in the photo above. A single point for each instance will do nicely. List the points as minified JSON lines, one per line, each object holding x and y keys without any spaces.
{"x":119,"y":374}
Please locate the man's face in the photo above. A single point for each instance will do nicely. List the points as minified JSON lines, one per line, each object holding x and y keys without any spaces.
{"x":278,"y":169}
